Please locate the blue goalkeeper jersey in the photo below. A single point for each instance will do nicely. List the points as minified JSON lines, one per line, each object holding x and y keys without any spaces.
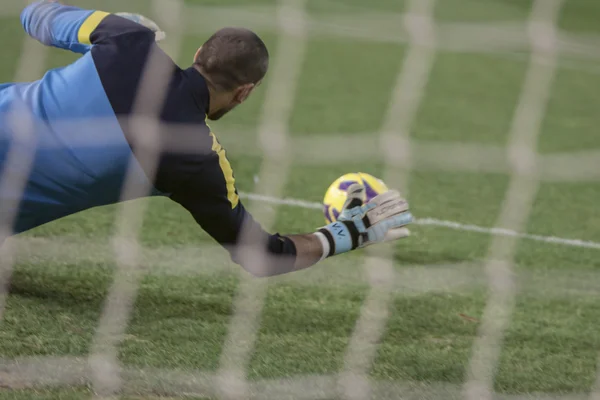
{"x":86,"y":129}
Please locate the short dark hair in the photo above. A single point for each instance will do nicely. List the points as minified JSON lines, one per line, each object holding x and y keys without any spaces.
{"x":233,"y":57}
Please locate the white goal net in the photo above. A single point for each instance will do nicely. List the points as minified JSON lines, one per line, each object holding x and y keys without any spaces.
{"x":293,"y":26}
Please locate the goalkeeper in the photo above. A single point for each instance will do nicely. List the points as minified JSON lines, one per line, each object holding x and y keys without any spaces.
{"x":85,"y":142}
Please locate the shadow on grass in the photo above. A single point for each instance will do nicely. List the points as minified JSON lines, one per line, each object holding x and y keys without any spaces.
{"x":67,"y":284}
{"x":423,"y":257}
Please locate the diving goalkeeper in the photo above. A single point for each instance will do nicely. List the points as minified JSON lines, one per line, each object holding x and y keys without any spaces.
{"x":85,"y":142}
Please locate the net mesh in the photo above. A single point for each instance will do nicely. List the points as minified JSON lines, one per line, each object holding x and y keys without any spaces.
{"x":424,"y":37}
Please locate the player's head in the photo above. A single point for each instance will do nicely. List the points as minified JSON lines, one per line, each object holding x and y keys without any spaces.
{"x":233,"y":61}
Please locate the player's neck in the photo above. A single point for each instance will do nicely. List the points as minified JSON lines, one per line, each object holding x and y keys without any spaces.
{"x":218,"y":100}
{"x":213,"y":96}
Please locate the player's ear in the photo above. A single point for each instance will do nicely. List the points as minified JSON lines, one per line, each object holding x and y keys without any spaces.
{"x":242,"y":92}
{"x":197,"y":54}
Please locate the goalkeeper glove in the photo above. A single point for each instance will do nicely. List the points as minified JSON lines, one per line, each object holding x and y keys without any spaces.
{"x":147,"y":22}
{"x":359,"y":225}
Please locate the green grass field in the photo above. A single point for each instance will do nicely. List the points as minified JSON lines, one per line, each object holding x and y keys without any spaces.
{"x":183,"y":308}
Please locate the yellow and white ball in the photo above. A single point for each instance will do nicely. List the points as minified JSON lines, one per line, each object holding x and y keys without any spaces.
{"x":335,"y":197}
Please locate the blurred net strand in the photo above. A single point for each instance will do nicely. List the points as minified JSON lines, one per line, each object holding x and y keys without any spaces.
{"x":426,"y":155}
{"x":118,"y":306}
{"x":595,"y":391}
{"x":13,"y":177}
{"x":412,"y":279}
{"x":499,"y":36}
{"x":274,"y":140}
{"x":394,"y":140}
{"x":518,"y":202}
{"x":169,"y":15}
{"x":575,"y":166}
{"x":154,"y":383}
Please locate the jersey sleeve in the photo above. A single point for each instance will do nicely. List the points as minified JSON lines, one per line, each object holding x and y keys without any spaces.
{"x":209,"y":194}
{"x":73,"y":28}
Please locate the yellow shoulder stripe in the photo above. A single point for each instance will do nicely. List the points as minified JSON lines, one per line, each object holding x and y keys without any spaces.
{"x":89,"y":26}
{"x":232,"y":196}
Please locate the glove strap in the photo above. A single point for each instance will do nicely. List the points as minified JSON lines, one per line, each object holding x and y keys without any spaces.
{"x":342,"y":237}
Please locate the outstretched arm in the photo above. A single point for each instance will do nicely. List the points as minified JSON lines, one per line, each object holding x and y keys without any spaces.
{"x":75,"y":29}
{"x":382,"y":219}
{"x":216,"y":207}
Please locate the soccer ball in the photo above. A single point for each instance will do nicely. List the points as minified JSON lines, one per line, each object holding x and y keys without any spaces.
{"x":335,"y":197}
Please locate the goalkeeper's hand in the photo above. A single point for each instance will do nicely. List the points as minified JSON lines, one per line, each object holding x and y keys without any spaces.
{"x":382,"y":219}
{"x":147,"y":22}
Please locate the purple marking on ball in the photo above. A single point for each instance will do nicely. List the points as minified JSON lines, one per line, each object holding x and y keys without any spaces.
{"x":344,"y":185}
{"x":336,"y":214}
{"x":371,"y":193}
{"x":326,"y":211}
